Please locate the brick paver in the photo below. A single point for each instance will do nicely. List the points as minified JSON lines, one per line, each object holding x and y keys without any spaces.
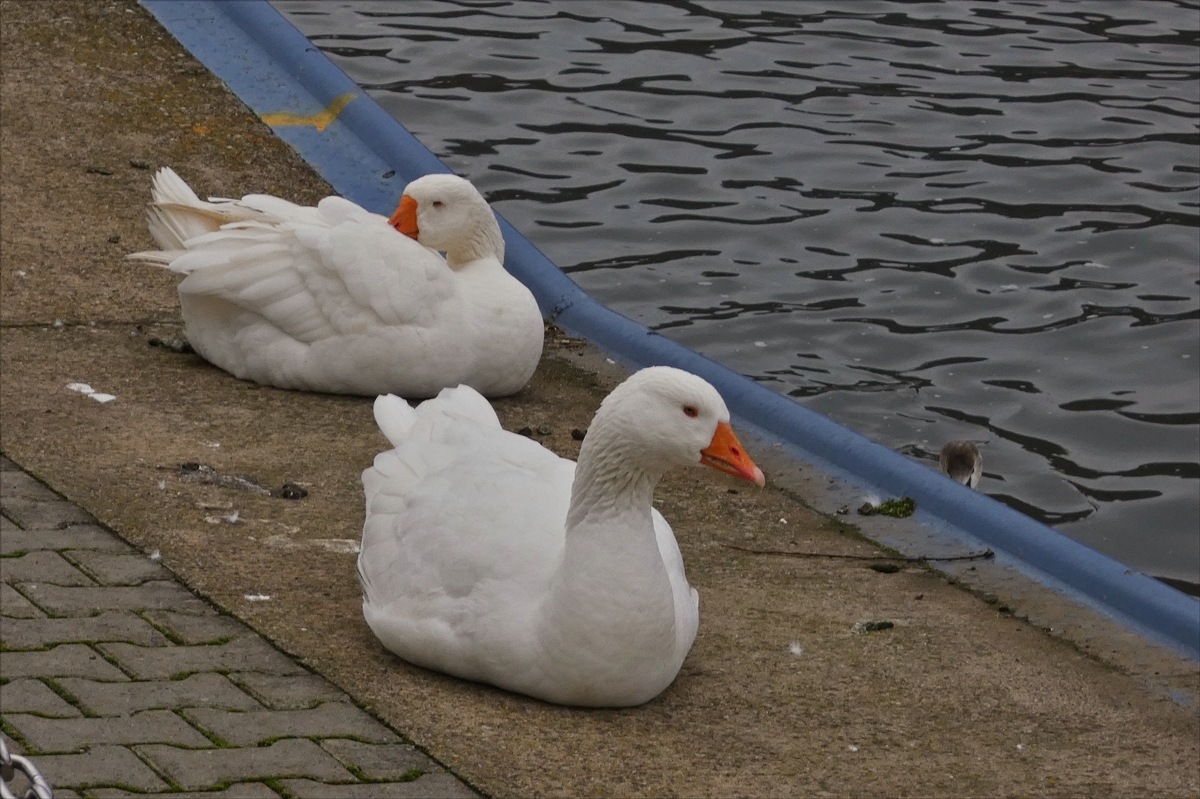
{"x":120,"y":682}
{"x":68,"y":735}
{"x":103,"y":765}
{"x":240,"y":654}
{"x":43,"y":566}
{"x":82,"y":601}
{"x":109,"y":626}
{"x":388,"y":762}
{"x":13,"y":605}
{"x":427,"y":786}
{"x":239,"y":790}
{"x":192,"y":629}
{"x":196,"y":769}
{"x":33,"y":696}
{"x":332,"y":718}
{"x":117,"y":569}
{"x":78,"y":536}
{"x":289,"y":693}
{"x":198,"y":690}
{"x":64,"y":660}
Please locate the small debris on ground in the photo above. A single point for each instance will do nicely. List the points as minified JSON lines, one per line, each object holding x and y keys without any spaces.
{"x":578,"y":434}
{"x":179,"y":345}
{"x":193,"y":472}
{"x":88,"y":391}
{"x":884,"y":568}
{"x":341,"y":546}
{"x":289,"y":491}
{"x":871,"y":626}
{"x":899,"y":508}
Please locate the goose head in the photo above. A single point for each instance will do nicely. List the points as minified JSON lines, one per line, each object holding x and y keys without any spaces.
{"x":663,"y":417}
{"x":447,"y":213}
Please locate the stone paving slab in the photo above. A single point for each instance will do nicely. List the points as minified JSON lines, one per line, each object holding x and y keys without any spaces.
{"x":429,"y":786}
{"x":14,"y":605}
{"x":120,"y":699}
{"x":241,"y":790}
{"x":196,"y":769}
{"x":19,"y":489}
{"x":387,"y":762}
{"x":331,"y":718}
{"x":289,"y":693}
{"x":34,"y":696}
{"x":133,"y":684}
{"x":53,"y":515}
{"x":75,"y":536}
{"x":68,"y":735}
{"x":83,"y":601}
{"x":240,"y":654}
{"x":64,"y":660}
{"x":43,"y":566}
{"x":100,"y":765}
{"x":112,"y":569}
{"x":190,"y":628}
{"x":109,"y":626}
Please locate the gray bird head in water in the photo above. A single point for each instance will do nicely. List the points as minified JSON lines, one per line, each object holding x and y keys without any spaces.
{"x":962,"y":462}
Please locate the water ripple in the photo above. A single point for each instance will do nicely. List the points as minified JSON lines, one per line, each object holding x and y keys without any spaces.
{"x":946,"y":220}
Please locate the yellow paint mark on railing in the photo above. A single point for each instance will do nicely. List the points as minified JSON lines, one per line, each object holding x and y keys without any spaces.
{"x":318,"y":120}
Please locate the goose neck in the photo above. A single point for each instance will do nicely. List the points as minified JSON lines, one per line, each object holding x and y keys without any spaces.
{"x":481,"y":241}
{"x":610,"y":480}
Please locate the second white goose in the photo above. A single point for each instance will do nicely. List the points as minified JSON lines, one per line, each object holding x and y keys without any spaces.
{"x":334,"y":298}
{"x":486,"y":556}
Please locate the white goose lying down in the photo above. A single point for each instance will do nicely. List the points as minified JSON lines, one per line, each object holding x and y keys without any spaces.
{"x":334,"y":298}
{"x":488,"y":557}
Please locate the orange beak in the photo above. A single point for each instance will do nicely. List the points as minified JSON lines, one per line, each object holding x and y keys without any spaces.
{"x":405,"y":218}
{"x":725,"y":454}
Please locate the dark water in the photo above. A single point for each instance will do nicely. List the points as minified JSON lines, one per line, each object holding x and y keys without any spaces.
{"x":925,"y":220}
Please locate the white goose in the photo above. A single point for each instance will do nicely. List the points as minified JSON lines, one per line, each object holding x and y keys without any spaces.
{"x":488,"y":557}
{"x":334,"y":299}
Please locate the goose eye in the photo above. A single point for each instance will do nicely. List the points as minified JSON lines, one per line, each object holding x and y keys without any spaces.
{"x":437,"y":203}
{"x":690,"y":410}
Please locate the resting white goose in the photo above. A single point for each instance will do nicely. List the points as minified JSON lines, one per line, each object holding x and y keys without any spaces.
{"x":335,"y":299}
{"x":486,"y":556}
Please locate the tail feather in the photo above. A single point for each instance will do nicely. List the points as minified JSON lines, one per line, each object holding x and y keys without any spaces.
{"x":171,"y":224}
{"x":163,"y":258}
{"x":170,"y":188}
{"x":177,"y":214}
{"x":395,"y":417}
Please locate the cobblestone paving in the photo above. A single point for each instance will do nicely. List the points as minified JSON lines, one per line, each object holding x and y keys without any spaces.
{"x":116,"y":681}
